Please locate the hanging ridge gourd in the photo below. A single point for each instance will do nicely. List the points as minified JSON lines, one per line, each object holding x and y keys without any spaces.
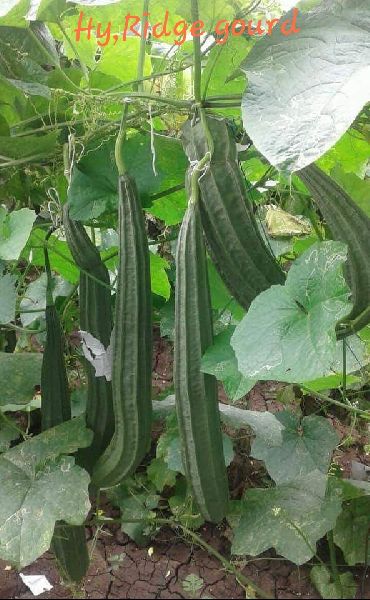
{"x":69,"y":542}
{"x":234,"y":241}
{"x":347,"y":223}
{"x":132,"y":345}
{"x":97,"y":319}
{"x":195,"y":392}
{"x":55,"y":399}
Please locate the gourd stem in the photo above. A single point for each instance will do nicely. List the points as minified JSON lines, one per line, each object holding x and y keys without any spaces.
{"x":119,"y":142}
{"x":333,"y":563}
{"x":357,"y":411}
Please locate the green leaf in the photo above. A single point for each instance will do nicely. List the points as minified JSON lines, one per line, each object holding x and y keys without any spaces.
{"x":220,"y":296}
{"x":160,"y":474}
{"x":183,"y":507}
{"x":35,"y":297}
{"x":160,"y":284}
{"x":135,"y":502}
{"x":321,"y":578}
{"x":8,"y":434}
{"x":209,"y":12}
{"x":93,"y":189}
{"x":220,"y":361}
{"x":359,"y":189}
{"x":31,"y":88}
{"x":352,"y":530}
{"x":331,"y":382}
{"x":288,"y":333}
{"x":122,"y":64}
{"x":290,"y":518}
{"x":13,"y":11}
{"x":351,"y":152}
{"x":170,"y":209}
{"x":28,"y":146}
{"x":21,"y":373}
{"x":300,"y":448}
{"x":222,"y":61}
{"x":305,"y":89}
{"x":61,"y":260}
{"x":173,"y":458}
{"x":8,"y":298}
{"x":40,"y":485}
{"x":192,"y":584}
{"x":15,"y":229}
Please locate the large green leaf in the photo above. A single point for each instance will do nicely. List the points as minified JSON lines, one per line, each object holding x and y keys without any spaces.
{"x":352,"y":530}
{"x":290,"y":518}
{"x":20,"y":374}
{"x":288,"y":333}
{"x":39,"y":486}
{"x":28,"y":145}
{"x":302,"y":446}
{"x":351,"y":153}
{"x":305,"y":89}
{"x":8,"y":297}
{"x":93,"y":188}
{"x":15,"y":229}
{"x":220,"y":361}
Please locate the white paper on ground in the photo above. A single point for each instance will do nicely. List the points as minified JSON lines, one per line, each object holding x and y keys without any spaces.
{"x":38,"y":584}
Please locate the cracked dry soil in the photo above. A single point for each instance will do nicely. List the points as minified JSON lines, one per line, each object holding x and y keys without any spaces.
{"x":120,"y":569}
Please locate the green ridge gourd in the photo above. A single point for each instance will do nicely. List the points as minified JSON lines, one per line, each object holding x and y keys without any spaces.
{"x":349,"y":224}
{"x":132,"y":345}
{"x":196,"y":392}
{"x":69,"y":542}
{"x":97,"y":319}
{"x":234,"y":241}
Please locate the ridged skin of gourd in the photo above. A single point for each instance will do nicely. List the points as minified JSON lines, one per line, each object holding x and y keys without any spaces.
{"x":234,"y":241}
{"x":55,"y":400}
{"x":196,"y":392}
{"x":69,"y":542}
{"x":95,"y":305}
{"x":132,"y":346}
{"x":347,"y":223}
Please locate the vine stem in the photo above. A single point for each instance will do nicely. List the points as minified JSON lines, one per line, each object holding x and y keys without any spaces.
{"x":333,"y":562}
{"x":139,"y":84}
{"x":357,"y":411}
{"x":155,"y":98}
{"x":228,"y":566}
{"x":197,"y":55}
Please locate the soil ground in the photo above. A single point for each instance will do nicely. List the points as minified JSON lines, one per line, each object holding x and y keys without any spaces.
{"x":121,"y":569}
